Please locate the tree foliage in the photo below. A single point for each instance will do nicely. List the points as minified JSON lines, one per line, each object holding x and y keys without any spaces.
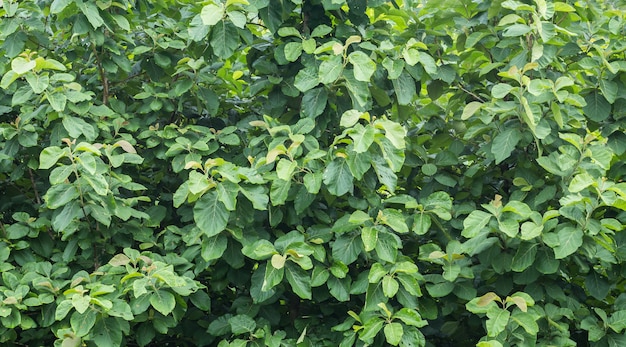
{"x":312,"y":173}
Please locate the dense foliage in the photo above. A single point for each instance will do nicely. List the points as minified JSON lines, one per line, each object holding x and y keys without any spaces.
{"x":312,"y":173}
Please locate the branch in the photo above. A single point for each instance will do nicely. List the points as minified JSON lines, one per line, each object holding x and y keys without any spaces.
{"x":470,"y":93}
{"x":103,"y":77}
{"x":32,"y":181}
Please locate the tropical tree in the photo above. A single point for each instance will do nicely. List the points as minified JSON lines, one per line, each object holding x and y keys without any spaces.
{"x":312,"y":173}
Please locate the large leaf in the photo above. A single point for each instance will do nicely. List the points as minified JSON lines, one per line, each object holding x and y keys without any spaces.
{"x":224,"y":39}
{"x":474,"y":223}
{"x":163,"y":301}
{"x":210,"y":214}
{"x":299,"y":280}
{"x":405,"y":89}
{"x":107,"y":332}
{"x":314,"y":102}
{"x":525,"y":256}
{"x":241,"y":324}
{"x":214,"y":247}
{"x":364,"y":67}
{"x":570,"y":239}
{"x":393,"y":333}
{"x":504,"y":143}
{"x":498,"y":319}
{"x":597,"y":108}
{"x":337,"y":177}
{"x":362,"y":137}
{"x":211,"y":14}
{"x":330,"y":69}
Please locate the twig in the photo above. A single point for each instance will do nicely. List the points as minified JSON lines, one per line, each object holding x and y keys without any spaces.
{"x":103,"y":77}
{"x":470,"y":93}
{"x":32,"y":181}
{"x":4,"y":230}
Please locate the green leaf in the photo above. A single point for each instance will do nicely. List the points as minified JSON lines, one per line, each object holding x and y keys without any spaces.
{"x":314,"y":102}
{"x":76,"y":127}
{"x":524,"y":257}
{"x":339,"y":288}
{"x":394,"y":219}
{"x":385,"y":175}
{"x":50,"y":156}
{"x":394,"y":132}
{"x":330,"y":69}
{"x":580,"y":182}
{"x":90,"y":10}
{"x":241,"y":324}
{"x":570,"y":239}
{"x":364,"y":67}
{"x":227,"y":193}
{"x":393,"y":333}
{"x":369,"y":236}
{"x":390,"y":286}
{"x":211,"y":14}
{"x":387,"y":247}
{"x":362,"y":137}
{"x":279,"y":191}
{"x":598,"y":108}
{"x":470,"y":109}
{"x":350,"y":118}
{"x":20,"y":65}
{"x":293,"y":50}
{"x":617,"y":321}
{"x":163,"y":301}
{"x":526,"y":321}
{"x":198,"y":183}
{"x":409,"y":317}
{"x":83,"y":323}
{"x":224,"y":39}
{"x":60,"y":195}
{"x":299,"y":280}
{"x":58,"y":6}
{"x":516,"y":30}
{"x":609,"y":90}
{"x":201,"y":300}
{"x":306,"y":79}
{"x":256,"y":195}
{"x":498,"y":319}
{"x":337,"y":177}
{"x":421,"y":223}
{"x":210,"y":214}
{"x":272,"y":277}
{"x":38,"y":82}
{"x":371,"y":328}
{"x":394,"y":67}
{"x":259,"y":250}
{"x":504,"y":144}
{"x":347,"y":248}
{"x":57,"y":101}
{"x":474,"y":223}
{"x":428,"y":63}
{"x":405,"y":89}
{"x":597,"y":285}
{"x":358,"y":90}
{"x":107,"y":332}
{"x":213,"y":247}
